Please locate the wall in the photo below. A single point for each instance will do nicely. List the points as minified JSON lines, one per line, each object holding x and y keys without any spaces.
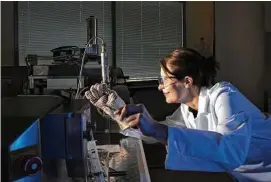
{"x":239,"y":29}
{"x":267,"y":16}
{"x":267,"y":12}
{"x":199,"y":22}
{"x":7,"y":33}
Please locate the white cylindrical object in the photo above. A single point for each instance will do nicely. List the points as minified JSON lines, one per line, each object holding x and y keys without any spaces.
{"x":95,"y":30}
{"x":105,"y":68}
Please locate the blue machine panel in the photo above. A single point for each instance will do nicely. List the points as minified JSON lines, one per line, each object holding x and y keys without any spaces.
{"x":74,"y":137}
{"x":52,"y":132}
{"x":35,"y":178}
{"x":28,"y":138}
{"x":61,"y":136}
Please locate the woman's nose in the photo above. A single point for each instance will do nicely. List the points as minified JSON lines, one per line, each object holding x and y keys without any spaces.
{"x":160,"y":87}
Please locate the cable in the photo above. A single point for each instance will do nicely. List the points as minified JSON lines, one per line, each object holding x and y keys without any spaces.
{"x":82,"y":64}
{"x":81,"y":91}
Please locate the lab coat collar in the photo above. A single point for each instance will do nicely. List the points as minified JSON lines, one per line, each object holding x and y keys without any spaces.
{"x":203,"y":103}
{"x":203,"y":120}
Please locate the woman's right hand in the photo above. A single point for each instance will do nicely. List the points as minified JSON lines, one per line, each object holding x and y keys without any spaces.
{"x":137,"y":116}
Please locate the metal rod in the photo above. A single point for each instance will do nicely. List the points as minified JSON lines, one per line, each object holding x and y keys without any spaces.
{"x":114,"y":46}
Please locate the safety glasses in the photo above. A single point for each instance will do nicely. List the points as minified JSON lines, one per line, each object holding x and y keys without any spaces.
{"x":161,"y":79}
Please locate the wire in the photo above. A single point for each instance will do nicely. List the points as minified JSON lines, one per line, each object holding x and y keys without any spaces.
{"x":82,"y":64}
{"x":81,"y":91}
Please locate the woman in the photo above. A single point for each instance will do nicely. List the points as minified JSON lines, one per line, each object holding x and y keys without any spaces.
{"x":224,"y":131}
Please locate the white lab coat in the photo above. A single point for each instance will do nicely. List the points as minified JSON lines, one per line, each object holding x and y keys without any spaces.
{"x":229,"y":134}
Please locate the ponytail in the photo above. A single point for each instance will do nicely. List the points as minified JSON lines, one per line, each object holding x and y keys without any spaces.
{"x":209,"y":67}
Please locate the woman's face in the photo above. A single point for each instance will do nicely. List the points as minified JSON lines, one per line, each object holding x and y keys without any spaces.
{"x":175,"y":91}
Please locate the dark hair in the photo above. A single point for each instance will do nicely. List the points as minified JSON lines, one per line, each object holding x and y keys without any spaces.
{"x":188,"y":62}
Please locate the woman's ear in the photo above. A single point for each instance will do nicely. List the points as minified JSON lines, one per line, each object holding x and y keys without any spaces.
{"x":188,"y":81}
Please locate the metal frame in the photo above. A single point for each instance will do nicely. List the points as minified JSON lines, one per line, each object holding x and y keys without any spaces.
{"x":16,"y":32}
{"x":184,"y":23}
{"x":114,"y":42}
{"x":214,"y":33}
